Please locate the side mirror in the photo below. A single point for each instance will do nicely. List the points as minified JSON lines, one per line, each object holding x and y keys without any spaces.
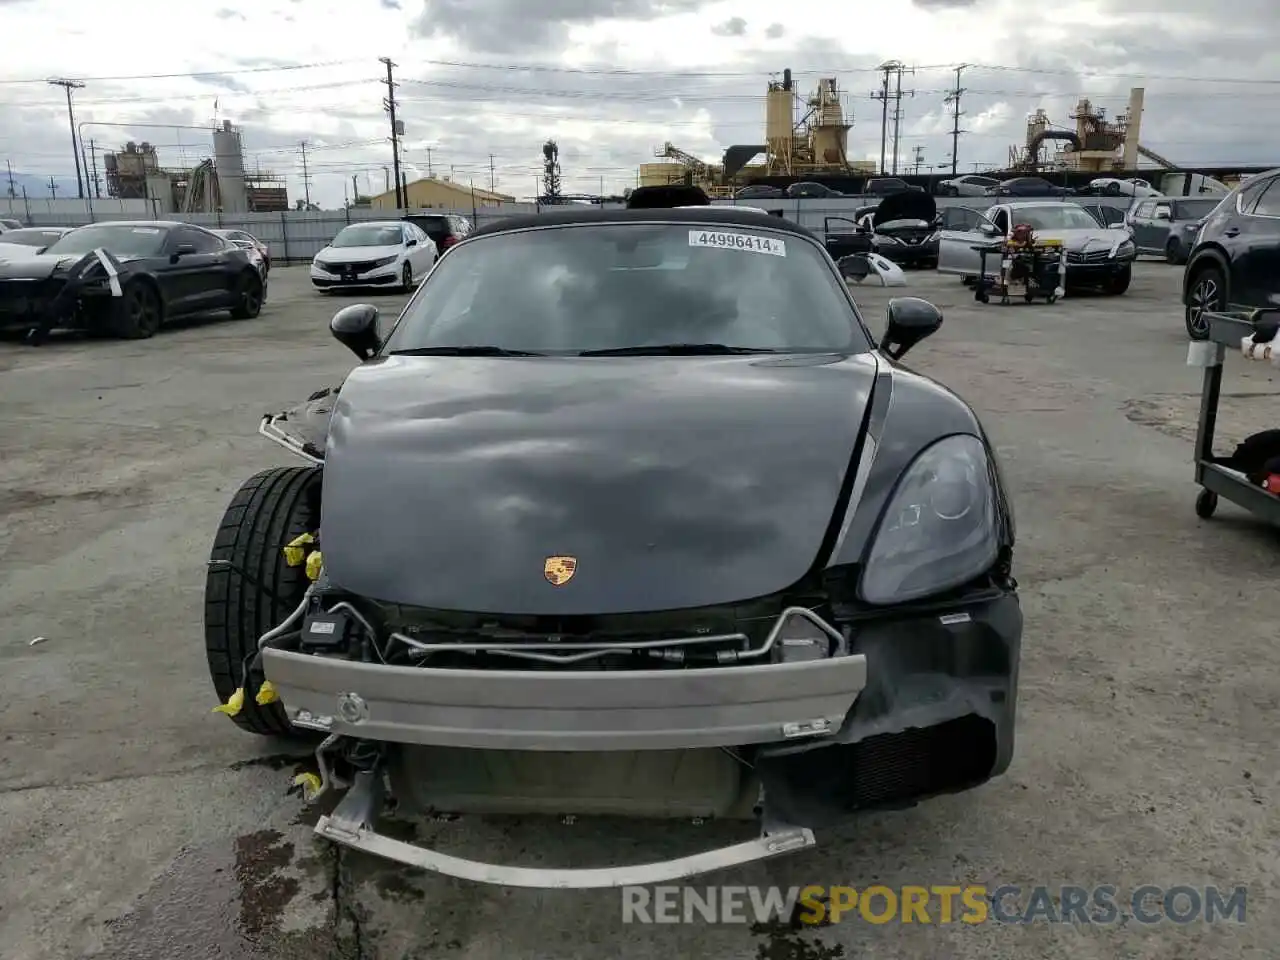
{"x":988,"y":230}
{"x":184,"y":250}
{"x":411,"y":242}
{"x":356,"y":328}
{"x":910,"y":321}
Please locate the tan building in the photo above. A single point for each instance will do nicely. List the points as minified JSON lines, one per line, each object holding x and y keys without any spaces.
{"x":432,"y":193}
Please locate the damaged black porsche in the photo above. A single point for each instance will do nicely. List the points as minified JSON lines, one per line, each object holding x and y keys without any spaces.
{"x":125,"y":279}
{"x":626,"y":513}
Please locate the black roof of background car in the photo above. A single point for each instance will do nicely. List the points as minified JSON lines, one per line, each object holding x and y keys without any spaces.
{"x":708,"y":216}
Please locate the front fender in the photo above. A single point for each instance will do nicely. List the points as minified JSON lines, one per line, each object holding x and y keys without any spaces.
{"x":1206,"y":254}
{"x":304,"y":429}
{"x":908,"y":413}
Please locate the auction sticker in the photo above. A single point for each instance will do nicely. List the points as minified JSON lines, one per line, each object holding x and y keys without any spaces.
{"x":751,"y":242}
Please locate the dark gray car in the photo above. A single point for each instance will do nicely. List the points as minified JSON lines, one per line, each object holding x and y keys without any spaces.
{"x":1168,"y":225}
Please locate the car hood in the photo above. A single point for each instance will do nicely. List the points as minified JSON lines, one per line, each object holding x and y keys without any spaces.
{"x":16,"y":251}
{"x":1082,"y":241}
{"x":35,"y":266}
{"x":357,"y":254}
{"x":674,"y":482}
{"x":907,"y":205}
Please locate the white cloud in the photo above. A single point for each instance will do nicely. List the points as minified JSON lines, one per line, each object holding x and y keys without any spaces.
{"x":687,"y":71}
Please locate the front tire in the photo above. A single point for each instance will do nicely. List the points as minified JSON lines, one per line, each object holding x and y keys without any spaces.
{"x":1173,"y":252}
{"x":1208,"y":295}
{"x":249,"y":589}
{"x":406,"y":277}
{"x":1119,"y":283}
{"x":138,"y":313}
{"x":248,"y":296}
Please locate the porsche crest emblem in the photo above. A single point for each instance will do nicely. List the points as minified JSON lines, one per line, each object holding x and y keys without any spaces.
{"x":559,"y":570}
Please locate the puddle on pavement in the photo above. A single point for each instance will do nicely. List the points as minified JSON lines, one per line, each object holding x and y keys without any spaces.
{"x":231,"y":899}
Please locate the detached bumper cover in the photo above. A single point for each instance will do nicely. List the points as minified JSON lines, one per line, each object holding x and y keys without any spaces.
{"x":567,"y":710}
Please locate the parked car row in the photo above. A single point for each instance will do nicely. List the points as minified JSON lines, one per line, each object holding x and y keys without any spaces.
{"x":125,"y":278}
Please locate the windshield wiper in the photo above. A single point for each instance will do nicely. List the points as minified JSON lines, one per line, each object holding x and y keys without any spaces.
{"x":474,"y":351}
{"x":674,"y":350}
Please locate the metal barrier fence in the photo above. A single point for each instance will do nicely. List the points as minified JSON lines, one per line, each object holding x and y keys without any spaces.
{"x":298,"y":235}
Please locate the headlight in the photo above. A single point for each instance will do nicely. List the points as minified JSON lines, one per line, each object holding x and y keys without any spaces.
{"x":939,"y":529}
{"x":933,"y":236}
{"x":384,"y":261}
{"x":317,"y":262}
{"x":1126,"y":249}
{"x":886,"y":238}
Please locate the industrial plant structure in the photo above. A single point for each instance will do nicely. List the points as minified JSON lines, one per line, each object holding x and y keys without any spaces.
{"x":217,"y":184}
{"x":1095,"y":145}
{"x":806,"y":139}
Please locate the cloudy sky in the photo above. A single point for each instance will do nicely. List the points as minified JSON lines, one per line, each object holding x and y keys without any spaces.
{"x":486,"y":82}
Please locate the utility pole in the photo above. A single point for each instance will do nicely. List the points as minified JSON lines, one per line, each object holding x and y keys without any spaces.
{"x":953,"y":98}
{"x":306,"y":176}
{"x":13,"y":193}
{"x":884,"y":96}
{"x":97,"y":182}
{"x":53,"y":188}
{"x":389,"y":104}
{"x":68,"y":86}
{"x":919,"y":158}
{"x":897,"y":112}
{"x":492,"y":181}
{"x":430,"y":172}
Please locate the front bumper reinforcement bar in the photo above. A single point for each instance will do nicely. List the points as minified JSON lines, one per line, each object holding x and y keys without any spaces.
{"x":353,"y":824}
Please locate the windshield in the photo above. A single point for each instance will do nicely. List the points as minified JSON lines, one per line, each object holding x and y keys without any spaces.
{"x":121,"y":239}
{"x":1194,"y":209}
{"x":31,"y":237}
{"x":1065,"y":217}
{"x":369,"y":235}
{"x":612,"y":286}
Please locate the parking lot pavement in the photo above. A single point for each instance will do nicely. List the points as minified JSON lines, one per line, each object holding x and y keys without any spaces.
{"x":134,"y":824}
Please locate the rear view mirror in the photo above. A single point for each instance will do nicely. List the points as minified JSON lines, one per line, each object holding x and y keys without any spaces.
{"x":356,"y":328}
{"x":911,"y":320}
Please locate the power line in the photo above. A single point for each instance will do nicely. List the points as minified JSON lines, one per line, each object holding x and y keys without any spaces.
{"x":244,"y":71}
{"x":389,"y":104}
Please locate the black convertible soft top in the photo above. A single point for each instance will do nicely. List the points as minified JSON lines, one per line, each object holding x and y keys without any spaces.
{"x":725,"y":216}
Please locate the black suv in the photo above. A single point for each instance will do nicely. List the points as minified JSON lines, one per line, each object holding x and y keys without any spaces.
{"x":1234,"y":262}
{"x":445,"y":229}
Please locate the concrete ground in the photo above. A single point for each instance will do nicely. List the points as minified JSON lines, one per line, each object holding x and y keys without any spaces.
{"x":135,"y":824}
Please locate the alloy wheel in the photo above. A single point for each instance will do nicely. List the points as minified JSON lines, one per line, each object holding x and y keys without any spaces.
{"x":1204,"y":297}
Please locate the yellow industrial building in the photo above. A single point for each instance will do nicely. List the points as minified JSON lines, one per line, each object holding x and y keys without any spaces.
{"x":432,"y":193}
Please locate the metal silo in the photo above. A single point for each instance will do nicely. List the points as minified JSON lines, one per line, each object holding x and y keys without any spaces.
{"x":228,"y":155}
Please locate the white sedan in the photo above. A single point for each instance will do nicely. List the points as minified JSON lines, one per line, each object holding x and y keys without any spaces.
{"x":377,"y":253}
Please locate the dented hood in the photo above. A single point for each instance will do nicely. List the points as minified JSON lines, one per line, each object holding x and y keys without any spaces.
{"x":450,"y":482}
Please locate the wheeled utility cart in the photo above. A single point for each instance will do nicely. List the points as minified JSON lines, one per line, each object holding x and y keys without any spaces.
{"x":1028,"y":269}
{"x":1213,"y":473}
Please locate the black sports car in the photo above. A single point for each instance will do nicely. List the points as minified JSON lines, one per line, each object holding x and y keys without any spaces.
{"x":126,"y":279}
{"x":903,"y":228}
{"x":627,"y":512}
